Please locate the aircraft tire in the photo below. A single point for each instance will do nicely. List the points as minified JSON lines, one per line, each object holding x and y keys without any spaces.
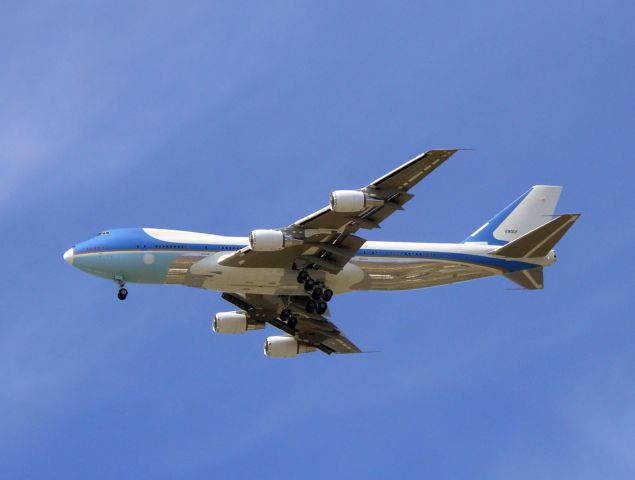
{"x":302,"y":276}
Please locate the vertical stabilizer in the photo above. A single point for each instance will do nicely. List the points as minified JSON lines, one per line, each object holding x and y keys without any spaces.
{"x":528,"y":212}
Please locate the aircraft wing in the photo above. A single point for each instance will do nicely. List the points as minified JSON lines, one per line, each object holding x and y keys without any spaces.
{"x":325,"y":239}
{"x":312,"y":329}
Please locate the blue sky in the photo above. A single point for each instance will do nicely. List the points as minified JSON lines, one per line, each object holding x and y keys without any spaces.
{"x":228,"y":116}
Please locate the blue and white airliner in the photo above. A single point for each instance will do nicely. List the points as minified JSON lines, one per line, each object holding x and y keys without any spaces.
{"x":287,"y":276}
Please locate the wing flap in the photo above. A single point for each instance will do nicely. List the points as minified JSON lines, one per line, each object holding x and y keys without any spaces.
{"x":246,"y":257}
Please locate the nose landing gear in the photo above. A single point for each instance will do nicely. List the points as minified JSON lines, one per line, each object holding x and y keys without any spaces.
{"x":123,"y":292}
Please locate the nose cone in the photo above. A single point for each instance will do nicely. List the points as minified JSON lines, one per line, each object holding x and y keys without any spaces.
{"x":68,"y":256}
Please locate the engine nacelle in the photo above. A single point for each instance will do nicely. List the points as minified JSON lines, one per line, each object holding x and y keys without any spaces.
{"x":282,"y":346}
{"x":351,"y":201}
{"x":266,"y":240}
{"x":234,"y":322}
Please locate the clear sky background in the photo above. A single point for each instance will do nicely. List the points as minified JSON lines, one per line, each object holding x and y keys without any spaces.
{"x":227,"y":116}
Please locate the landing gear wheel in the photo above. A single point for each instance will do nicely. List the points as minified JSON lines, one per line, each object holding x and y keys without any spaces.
{"x":317,"y":293}
{"x":311,"y":306}
{"x":327,"y":295}
{"x":285,"y":314}
{"x":292,"y":322}
{"x":321,"y":307}
{"x":302,"y":276}
{"x":122,"y":293}
{"x":309,"y":284}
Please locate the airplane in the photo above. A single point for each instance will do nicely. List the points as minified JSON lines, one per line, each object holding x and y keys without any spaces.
{"x":286,"y":277}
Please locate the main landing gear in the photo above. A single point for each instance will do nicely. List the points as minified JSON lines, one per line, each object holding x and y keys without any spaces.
{"x":319,"y":295}
{"x":287,"y":316}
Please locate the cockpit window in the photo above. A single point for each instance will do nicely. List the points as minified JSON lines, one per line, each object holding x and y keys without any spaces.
{"x":103,"y":233}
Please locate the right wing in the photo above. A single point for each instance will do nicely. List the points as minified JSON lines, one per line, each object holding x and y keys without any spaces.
{"x":392,"y":187}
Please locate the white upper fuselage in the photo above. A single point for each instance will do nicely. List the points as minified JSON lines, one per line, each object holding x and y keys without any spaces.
{"x":178,"y":257}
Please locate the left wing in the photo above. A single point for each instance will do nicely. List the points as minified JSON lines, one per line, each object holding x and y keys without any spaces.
{"x":324,"y":240}
{"x":311,"y":329}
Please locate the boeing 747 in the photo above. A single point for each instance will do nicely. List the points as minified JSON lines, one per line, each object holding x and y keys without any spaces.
{"x":287,"y":277}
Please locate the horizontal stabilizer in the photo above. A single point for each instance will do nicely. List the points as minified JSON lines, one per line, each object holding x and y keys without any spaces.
{"x":540,"y":241}
{"x":531,"y":279}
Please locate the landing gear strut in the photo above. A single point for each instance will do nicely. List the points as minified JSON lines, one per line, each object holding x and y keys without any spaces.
{"x":123,"y":292}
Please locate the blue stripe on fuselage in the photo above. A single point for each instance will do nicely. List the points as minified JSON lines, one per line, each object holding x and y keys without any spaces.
{"x":509,"y":265}
{"x":136,"y":239}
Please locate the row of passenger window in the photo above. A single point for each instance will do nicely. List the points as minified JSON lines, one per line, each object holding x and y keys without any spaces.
{"x":169,"y":247}
{"x":394,"y":253}
{"x":206,"y":247}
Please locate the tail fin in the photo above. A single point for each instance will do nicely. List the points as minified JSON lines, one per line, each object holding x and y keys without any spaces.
{"x":529,"y":211}
{"x":539,"y":242}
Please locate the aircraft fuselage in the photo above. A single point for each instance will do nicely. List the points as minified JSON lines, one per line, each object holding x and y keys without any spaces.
{"x":156,"y":256}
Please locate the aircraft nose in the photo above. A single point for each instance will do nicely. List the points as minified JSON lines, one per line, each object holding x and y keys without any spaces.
{"x":68,"y":256}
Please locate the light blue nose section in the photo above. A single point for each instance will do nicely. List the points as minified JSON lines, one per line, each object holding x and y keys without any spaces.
{"x":69,"y":256}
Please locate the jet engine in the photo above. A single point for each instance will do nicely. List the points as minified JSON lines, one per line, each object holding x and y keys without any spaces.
{"x":266,"y":240}
{"x":350,"y":201}
{"x":282,"y":346}
{"x":234,"y":322}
